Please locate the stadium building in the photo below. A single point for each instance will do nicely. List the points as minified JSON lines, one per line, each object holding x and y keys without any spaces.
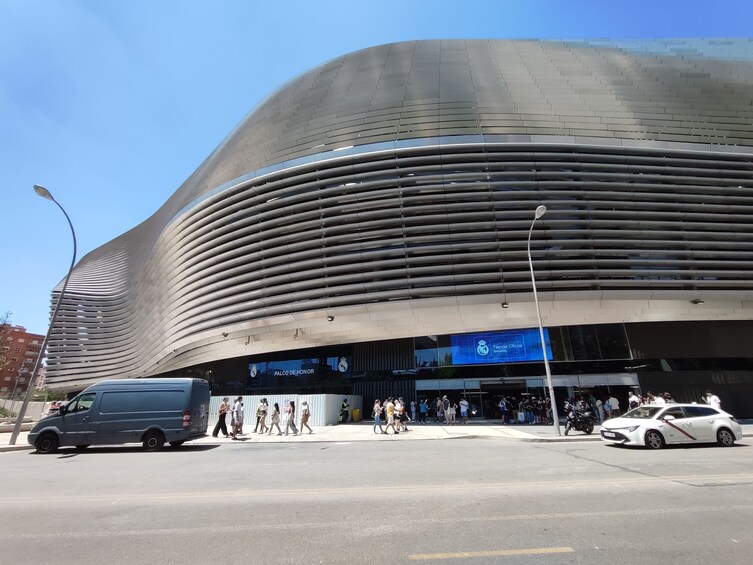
{"x":364,"y":231}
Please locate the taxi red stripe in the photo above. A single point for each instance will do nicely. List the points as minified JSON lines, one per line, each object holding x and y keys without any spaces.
{"x":679,"y":429}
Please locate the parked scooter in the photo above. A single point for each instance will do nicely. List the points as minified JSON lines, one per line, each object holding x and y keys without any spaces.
{"x":578,"y":419}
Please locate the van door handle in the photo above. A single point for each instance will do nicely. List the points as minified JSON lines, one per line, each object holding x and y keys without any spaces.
{"x":85,"y":418}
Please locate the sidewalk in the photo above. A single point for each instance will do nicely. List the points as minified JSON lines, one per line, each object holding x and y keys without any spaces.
{"x":363,"y":431}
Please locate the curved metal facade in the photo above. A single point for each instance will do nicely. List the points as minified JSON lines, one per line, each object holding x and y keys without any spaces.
{"x":393,"y":189}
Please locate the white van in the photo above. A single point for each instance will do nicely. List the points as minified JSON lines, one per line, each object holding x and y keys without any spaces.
{"x":146,"y":411}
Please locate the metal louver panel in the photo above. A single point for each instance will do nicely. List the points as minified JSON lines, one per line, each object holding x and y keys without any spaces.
{"x":420,"y":227}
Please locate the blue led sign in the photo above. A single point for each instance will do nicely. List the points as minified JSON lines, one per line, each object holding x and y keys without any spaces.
{"x":509,"y":346}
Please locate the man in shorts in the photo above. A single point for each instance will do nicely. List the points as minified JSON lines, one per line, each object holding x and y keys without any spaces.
{"x":389,"y":409}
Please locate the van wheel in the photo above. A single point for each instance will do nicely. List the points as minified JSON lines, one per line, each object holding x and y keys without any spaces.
{"x":47,"y":443}
{"x":176,"y":443}
{"x":153,"y":440}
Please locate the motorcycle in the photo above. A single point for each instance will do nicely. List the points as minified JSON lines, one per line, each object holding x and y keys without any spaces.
{"x":578,"y":419}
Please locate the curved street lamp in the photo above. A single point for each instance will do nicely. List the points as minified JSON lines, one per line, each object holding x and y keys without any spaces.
{"x":540,"y":211}
{"x":44,"y":193}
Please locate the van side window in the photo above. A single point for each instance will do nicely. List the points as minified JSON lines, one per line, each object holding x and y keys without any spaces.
{"x":83,"y":403}
{"x":119,"y":402}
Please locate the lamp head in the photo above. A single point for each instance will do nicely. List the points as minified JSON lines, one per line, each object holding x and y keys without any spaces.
{"x":43,"y":192}
{"x":540,"y":211}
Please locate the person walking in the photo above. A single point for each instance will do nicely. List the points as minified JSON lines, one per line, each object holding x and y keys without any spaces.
{"x":377,"y":413}
{"x":305,"y":415}
{"x":221,"y":425}
{"x":290,"y":422}
{"x":260,"y":411}
{"x":262,"y":414}
{"x":413,"y":410}
{"x":404,"y":418}
{"x":275,"y":420}
{"x":399,"y":411}
{"x":237,"y":417}
{"x":389,"y":409}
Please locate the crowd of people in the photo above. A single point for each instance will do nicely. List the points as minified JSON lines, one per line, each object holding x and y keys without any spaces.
{"x":395,"y":414}
{"x":267,"y":418}
{"x":530,"y":410}
{"x":608,"y":406}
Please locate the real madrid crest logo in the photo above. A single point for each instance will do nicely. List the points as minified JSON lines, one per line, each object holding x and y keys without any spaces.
{"x":252,"y":370}
{"x":342,"y":366}
{"x":482,"y":348}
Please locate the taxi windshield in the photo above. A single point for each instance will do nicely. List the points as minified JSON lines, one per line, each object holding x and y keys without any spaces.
{"x":643,"y":412}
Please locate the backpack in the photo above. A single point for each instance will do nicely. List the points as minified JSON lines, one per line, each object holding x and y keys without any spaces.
{"x":607,"y":407}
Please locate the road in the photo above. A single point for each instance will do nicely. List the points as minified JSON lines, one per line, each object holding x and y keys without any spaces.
{"x":444,"y":501}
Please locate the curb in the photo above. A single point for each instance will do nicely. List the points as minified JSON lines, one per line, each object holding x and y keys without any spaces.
{"x":4,"y":448}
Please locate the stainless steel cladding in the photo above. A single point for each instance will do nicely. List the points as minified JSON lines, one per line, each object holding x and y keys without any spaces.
{"x":392,"y":190}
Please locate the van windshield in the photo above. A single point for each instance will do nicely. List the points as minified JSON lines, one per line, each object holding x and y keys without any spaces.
{"x":82,"y":403}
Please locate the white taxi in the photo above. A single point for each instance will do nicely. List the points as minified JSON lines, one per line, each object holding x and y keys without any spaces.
{"x":656,"y":426}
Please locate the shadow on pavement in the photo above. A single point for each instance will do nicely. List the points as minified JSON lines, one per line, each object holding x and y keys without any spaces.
{"x":68,"y":452}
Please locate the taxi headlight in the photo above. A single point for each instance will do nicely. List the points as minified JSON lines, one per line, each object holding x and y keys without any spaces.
{"x":632,"y":428}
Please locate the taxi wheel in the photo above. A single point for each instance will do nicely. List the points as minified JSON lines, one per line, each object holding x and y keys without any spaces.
{"x":654,"y":440}
{"x":725,"y":438}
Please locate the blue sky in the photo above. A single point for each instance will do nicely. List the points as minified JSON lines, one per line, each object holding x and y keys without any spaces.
{"x":112,"y":104}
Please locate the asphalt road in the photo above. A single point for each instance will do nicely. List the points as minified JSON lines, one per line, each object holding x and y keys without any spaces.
{"x":449,"y":501}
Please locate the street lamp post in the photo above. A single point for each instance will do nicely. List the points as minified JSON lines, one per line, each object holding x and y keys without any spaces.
{"x":44,"y":193}
{"x":540,"y":211}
